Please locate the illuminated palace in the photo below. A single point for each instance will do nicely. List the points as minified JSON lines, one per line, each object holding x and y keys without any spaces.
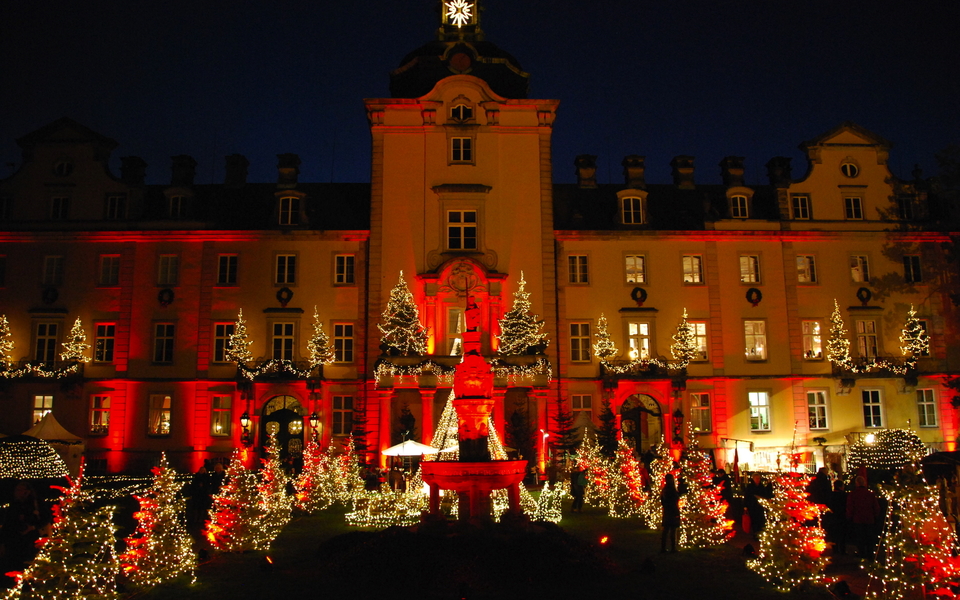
{"x":461,"y":201}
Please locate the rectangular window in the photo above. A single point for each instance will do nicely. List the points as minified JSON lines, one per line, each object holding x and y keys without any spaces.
{"x":577,"y":269}
{"x":739,"y":207}
{"x":343,"y":342}
{"x":632,"y":211}
{"x":109,"y":270}
{"x":283,"y":341}
{"x":699,"y":329}
{"x":290,"y":210}
{"x":700,"y":417}
{"x":168,"y":270}
{"x":806,"y":269}
{"x":227,"y":269}
{"x":817,"y":409}
{"x":867,"y":339}
{"x":116,"y":207}
{"x":462,"y":229}
{"x":41,"y":406}
{"x":812,"y":341}
{"x":163,"y":343}
{"x":755,"y":337}
{"x":103,"y":342}
{"x":749,"y":268}
{"x":177,"y":207}
{"x":800,"y":206}
{"x":158,"y":419}
{"x":221,"y":339}
{"x":344,"y":269}
{"x":911,"y":269}
{"x":926,"y":408}
{"x":461,"y":149}
{"x":905,"y":208}
{"x":59,"y":208}
{"x":52,"y":270}
{"x":872,"y":408}
{"x":581,"y":405}
{"x":456,"y":325}
{"x":286,"y":272}
{"x":579,"y":342}
{"x":859,"y":269}
{"x":99,"y":415}
{"x":853,"y":208}
{"x":692,"y":268}
{"x":46,"y":342}
{"x":636,"y":267}
{"x":220,"y":416}
{"x":759,"y":411}
{"x":342,"y":415}
{"x":638,"y":335}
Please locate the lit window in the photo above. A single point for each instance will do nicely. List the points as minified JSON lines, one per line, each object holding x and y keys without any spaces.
{"x":283,"y":341}
{"x":692,"y":268}
{"x":158,"y":419}
{"x":221,"y":340}
{"x":344,"y":269}
{"x":227,"y":269}
{"x":342,"y":415}
{"x":46,"y":342}
{"x":455,"y":328}
{"x":168,"y":272}
{"x":290,"y":210}
{"x":911,"y":269}
{"x":99,"y":415}
{"x":177,"y":208}
{"x":749,"y":269}
{"x":461,"y":149}
{"x":286,"y":272}
{"x":872,"y":408}
{"x":700,"y":417}
{"x":220,"y":416}
{"x":867,"y":339}
{"x":461,"y":112}
{"x":632,"y":211}
{"x":639,"y":339}
{"x":103,"y":343}
{"x":577,"y":269}
{"x":801,"y":207}
{"x":343,"y":342}
{"x":759,"y":411}
{"x":636,"y":268}
{"x":116,"y":207}
{"x":859,"y":269}
{"x":926,"y":408}
{"x":462,"y":229}
{"x":163,"y":343}
{"x":817,"y":409}
{"x":52,"y":270}
{"x":853,"y":207}
{"x":581,"y":405}
{"x":579,"y":342}
{"x":806,"y":269}
{"x":59,"y":208}
{"x":109,"y":270}
{"x":738,"y":207}
{"x":41,"y":406}
{"x":849,"y":169}
{"x":755,"y":337}
{"x":812,"y":341}
{"x":699,"y":330}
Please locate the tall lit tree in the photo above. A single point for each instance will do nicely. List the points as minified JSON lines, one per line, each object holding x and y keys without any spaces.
{"x":76,"y":346}
{"x":838,"y":346}
{"x":313,"y":494}
{"x":6,"y":343}
{"x":321,"y":352}
{"x":402,"y":331}
{"x":521,"y":331}
{"x":625,"y":493}
{"x":273,"y":492}
{"x":237,"y":512}
{"x":660,"y":465}
{"x":914,"y":339}
{"x":238,"y":346}
{"x":684,"y":348}
{"x":703,"y":519}
{"x":604,"y":348}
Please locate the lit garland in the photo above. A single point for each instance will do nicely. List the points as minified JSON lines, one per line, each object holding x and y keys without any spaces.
{"x":78,"y":560}
{"x":401,"y":328}
{"x":890,"y":449}
{"x":515,"y":373}
{"x":274,"y":365}
{"x":683,"y":349}
{"x":917,"y":547}
{"x":105,"y":488}
{"x":160,"y":548}
{"x":521,"y":332}
{"x":25,"y":457}
{"x":321,"y":352}
{"x":791,"y":549}
{"x":703,"y":519}
{"x":914,"y":339}
{"x":73,"y":356}
{"x":385,"y":368}
{"x":273,"y":492}
{"x":237,"y":512}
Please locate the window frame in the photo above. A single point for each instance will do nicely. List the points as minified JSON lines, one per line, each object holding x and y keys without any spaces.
{"x":228,"y":268}
{"x":177,"y":207}
{"x":812,"y":340}
{"x":759,"y":411}
{"x":640,"y":338}
{"x":222,"y":332}
{"x":285,"y":269}
{"x":99,"y":414}
{"x":462,"y":150}
{"x":341,"y":413}
{"x":345,"y":269}
{"x":164,"y":340}
{"x":818,"y":410}
{"x":807,"y":269}
{"x":912,"y":268}
{"x":750,"y":269}
{"x":104,"y":342}
{"x":853,"y":208}
{"x":638,"y":271}
{"x":700,"y":412}
{"x":874,"y":419}
{"x":800,"y":207}
{"x":286,"y":338}
{"x":115,"y":207}
{"x":866,"y":331}
{"x":701,"y":337}
{"x":581,"y":403}
{"x":631,"y":210}
{"x":580,"y":342}
{"x":692,"y":269}
{"x":927,"y":408}
{"x":168,"y":269}
{"x":155,"y":415}
{"x":458,"y":230}
{"x":739,"y":207}
{"x":755,"y":335}
{"x":59,"y":208}
{"x":221,"y":415}
{"x":109,"y":270}
{"x":578,"y":269}
{"x":288,"y":211}
{"x":50,"y":342}
{"x":859,"y":268}
{"x":42,"y":406}
{"x":344,"y":343}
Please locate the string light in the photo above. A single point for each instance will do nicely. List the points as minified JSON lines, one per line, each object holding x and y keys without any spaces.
{"x":703,"y":521}
{"x":29,"y":458}
{"x":277,"y":504}
{"x":321,"y":352}
{"x":401,"y":328}
{"x":915,"y":343}
{"x":521,"y":332}
{"x":683,"y":350}
{"x":237,"y":512}
{"x":889,"y":449}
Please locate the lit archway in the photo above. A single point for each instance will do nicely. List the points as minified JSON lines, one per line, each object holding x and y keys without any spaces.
{"x":641,"y":422}
{"x":282,"y":416}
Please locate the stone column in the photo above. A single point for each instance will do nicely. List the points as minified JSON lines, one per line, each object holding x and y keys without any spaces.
{"x":426,"y":414}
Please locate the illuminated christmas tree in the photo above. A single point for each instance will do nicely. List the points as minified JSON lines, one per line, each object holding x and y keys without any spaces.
{"x":604,"y":349}
{"x":345,"y":475}
{"x":403,"y":334}
{"x":160,"y":548}
{"x":889,"y":449}
{"x":916,"y":550}
{"x":76,"y":346}
{"x":445,"y":435}
{"x":277,"y":503}
{"x":6,"y":344}
{"x":313,"y":492}
{"x":838,"y":346}
{"x":702,"y":514}
{"x":792,"y":542}
{"x":238,"y":512}
{"x":661,"y":464}
{"x":684,"y":348}
{"x":521,"y":332}
{"x":587,"y":459}
{"x":625,"y":492}
{"x":548,"y":504}
{"x":914,"y":339}
{"x":78,"y":561}
{"x":321,"y":352}
{"x":238,"y":346}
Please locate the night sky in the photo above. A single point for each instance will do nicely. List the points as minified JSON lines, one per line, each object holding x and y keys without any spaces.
{"x":658,"y":78}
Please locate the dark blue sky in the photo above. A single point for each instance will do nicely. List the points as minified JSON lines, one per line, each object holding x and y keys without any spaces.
{"x":656,"y":78}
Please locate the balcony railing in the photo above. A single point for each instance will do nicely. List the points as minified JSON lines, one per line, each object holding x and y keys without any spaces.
{"x":57,"y":369}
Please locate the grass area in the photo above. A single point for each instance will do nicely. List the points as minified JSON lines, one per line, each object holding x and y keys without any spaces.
{"x":395,"y":563}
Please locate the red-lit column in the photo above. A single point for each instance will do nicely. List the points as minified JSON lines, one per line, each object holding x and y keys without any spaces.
{"x":426,"y":412}
{"x":385,"y":412}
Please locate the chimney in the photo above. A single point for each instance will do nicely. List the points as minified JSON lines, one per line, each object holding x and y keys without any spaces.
{"x":779,"y":171}
{"x":183,"y":170}
{"x":683,"y":172}
{"x":288,"y":170}
{"x":586,"y":170}
{"x":633,"y":172}
{"x":236,"y":170}
{"x":133,"y":170}
{"x":731,"y":170}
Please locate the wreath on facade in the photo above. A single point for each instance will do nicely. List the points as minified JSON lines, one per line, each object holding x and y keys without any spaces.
{"x":284,"y":295}
{"x":864,"y":295}
{"x":754,"y":296}
{"x":165,"y":297}
{"x":639,"y":295}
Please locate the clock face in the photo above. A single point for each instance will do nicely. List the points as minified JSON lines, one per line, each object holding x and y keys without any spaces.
{"x":459,"y":12}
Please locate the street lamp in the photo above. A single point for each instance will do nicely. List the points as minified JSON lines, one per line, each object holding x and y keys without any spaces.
{"x":543,"y":454}
{"x":246,"y":438}
{"x":677,"y":426}
{"x":314,"y":423}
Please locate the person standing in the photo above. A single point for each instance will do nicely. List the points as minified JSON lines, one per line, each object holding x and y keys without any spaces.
{"x":670,"y":500}
{"x":863,"y":514}
{"x":578,"y":487}
{"x":754,"y":491}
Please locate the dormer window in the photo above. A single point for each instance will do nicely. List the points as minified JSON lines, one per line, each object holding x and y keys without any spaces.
{"x":290,"y":210}
{"x":177,"y":209}
{"x":739,"y":207}
{"x":849,"y":169}
{"x":461,"y":113}
{"x":63,"y":168}
{"x":632,"y":210}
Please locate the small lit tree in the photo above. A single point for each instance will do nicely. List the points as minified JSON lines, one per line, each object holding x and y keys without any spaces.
{"x":914,"y":339}
{"x":313,"y":494}
{"x":237,"y":513}
{"x":402,"y":331}
{"x":238,"y":346}
{"x":76,"y":346}
{"x":604,"y":349}
{"x":6,"y":343}
{"x":321,"y":352}
{"x":625,"y":485}
{"x":684,"y":348}
{"x":838,"y":346}
{"x":521,"y":331}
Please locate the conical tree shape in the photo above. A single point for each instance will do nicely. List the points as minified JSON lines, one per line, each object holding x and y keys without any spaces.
{"x":626,"y":495}
{"x":402,"y":331}
{"x":273,"y":492}
{"x":321,"y":352}
{"x":703,"y":519}
{"x":238,"y":346}
{"x":604,"y":348}
{"x":914,"y":341}
{"x":684,"y":348}
{"x":76,"y":346}
{"x":520,"y":331}
{"x":313,"y":495}
{"x":661,"y":464}
{"x":237,"y":513}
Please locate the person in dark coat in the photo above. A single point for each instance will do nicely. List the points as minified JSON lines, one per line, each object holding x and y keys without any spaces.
{"x":670,"y":500}
{"x":752,"y":494}
{"x":721,"y":481}
{"x":819,"y":488}
{"x":863,"y":514}
{"x":578,"y":487}
{"x":835,"y":520}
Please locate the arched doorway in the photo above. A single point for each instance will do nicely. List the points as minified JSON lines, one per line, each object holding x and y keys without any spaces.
{"x":282,"y":416}
{"x":641,"y":422}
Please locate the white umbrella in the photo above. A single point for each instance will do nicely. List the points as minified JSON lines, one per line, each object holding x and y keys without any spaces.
{"x":409,"y":448}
